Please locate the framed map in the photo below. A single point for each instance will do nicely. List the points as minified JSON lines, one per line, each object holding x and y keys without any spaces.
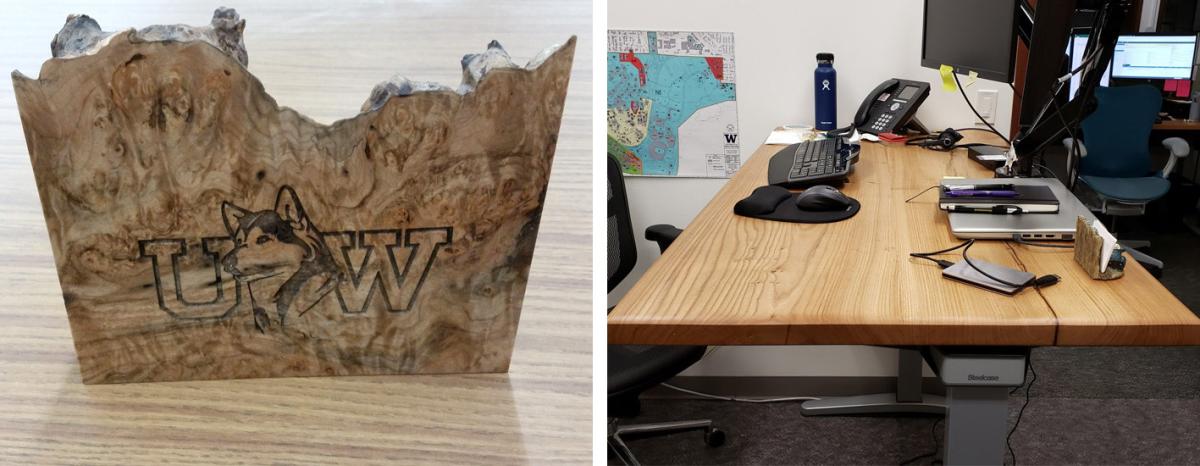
{"x":672,"y":107}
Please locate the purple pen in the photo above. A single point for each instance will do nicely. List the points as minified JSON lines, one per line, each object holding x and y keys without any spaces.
{"x":980,"y":193}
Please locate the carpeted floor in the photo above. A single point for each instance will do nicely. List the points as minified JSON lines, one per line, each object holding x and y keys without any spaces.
{"x":1088,"y":406}
{"x":1052,"y":431}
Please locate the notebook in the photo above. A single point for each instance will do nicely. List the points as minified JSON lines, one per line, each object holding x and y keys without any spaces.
{"x":1029,"y":199}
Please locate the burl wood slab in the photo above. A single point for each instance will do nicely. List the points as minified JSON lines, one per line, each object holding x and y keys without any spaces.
{"x":201,"y":231}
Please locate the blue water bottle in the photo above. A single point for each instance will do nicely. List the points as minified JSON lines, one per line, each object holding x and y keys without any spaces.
{"x":825,"y":79}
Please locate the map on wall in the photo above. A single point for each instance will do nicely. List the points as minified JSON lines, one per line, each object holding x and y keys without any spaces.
{"x":672,"y":108}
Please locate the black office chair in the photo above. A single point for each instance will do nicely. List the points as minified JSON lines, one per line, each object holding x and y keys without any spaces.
{"x":635,"y":369}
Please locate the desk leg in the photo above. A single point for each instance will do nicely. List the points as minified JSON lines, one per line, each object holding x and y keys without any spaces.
{"x":908,"y":397}
{"x":976,"y":423}
{"x":977,"y":382}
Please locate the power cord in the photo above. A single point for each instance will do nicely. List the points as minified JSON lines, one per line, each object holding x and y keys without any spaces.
{"x":1038,"y":282}
{"x":936,"y":448}
{"x":1043,"y":167}
{"x":736,"y":398}
{"x":1008,"y":439}
{"x":976,"y":112}
{"x":940,"y":262}
{"x":906,"y":201}
{"x":713,"y":349}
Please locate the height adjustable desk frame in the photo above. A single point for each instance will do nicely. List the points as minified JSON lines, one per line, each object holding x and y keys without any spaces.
{"x":730,"y":280}
{"x":976,"y":402}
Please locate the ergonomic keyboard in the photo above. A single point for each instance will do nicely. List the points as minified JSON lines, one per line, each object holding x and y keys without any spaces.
{"x":827,"y":161}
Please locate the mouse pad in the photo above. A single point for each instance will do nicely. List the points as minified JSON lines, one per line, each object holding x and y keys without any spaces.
{"x":777,"y":203}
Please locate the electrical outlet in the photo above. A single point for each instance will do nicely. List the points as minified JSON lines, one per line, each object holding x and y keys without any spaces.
{"x":985,"y":103}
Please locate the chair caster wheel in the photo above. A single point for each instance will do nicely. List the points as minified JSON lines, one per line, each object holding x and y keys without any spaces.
{"x":714,"y":437}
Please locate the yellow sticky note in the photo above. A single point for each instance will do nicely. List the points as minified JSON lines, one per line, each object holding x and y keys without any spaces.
{"x":947,"y":72}
{"x":971,"y":77}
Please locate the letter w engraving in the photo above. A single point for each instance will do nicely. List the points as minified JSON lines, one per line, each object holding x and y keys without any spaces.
{"x":378,"y":263}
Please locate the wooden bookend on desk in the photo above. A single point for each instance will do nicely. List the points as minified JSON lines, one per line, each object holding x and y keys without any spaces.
{"x":202,"y":231}
{"x":1089,"y":247}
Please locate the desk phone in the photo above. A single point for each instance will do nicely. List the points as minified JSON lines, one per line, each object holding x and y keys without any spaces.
{"x":890,"y":106}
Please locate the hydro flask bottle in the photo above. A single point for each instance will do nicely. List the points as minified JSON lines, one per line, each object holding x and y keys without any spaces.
{"x":825,"y":80}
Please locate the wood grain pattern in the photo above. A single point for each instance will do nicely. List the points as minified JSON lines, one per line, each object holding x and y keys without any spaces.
{"x":1134,"y":310}
{"x":396,"y":241}
{"x":735,"y":280}
{"x":1177,"y":125}
{"x":322,"y":61}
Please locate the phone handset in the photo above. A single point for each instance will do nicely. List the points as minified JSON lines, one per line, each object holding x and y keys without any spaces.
{"x":891,"y":106}
{"x":864,"y":110}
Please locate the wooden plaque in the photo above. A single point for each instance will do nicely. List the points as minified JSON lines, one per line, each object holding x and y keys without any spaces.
{"x":201,"y":231}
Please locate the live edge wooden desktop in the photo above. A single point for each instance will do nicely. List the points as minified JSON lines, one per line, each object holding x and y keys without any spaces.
{"x":730,"y":280}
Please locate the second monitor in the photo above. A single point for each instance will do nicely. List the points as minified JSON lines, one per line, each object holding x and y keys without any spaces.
{"x":1154,"y":57}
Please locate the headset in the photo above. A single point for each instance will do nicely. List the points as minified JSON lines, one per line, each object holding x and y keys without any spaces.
{"x":945,"y":141}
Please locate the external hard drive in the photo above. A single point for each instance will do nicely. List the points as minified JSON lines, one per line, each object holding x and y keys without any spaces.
{"x":963,"y":272}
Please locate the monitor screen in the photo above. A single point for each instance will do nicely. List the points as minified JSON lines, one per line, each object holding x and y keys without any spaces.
{"x":1075,"y":50}
{"x":1154,"y":57}
{"x":970,"y":35}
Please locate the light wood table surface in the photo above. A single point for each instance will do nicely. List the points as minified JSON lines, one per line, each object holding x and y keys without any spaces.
{"x":322,"y":61}
{"x":731,"y":280}
{"x":1177,"y":125}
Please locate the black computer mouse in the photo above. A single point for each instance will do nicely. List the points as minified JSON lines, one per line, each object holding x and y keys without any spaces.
{"x":822,"y":198}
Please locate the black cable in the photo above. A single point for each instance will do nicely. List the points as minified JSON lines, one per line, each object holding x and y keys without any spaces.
{"x":1037,"y":282}
{"x":973,"y":129}
{"x":936,"y":448}
{"x":1074,"y":147}
{"x":943,"y":251}
{"x":906,"y":201}
{"x":976,"y":112}
{"x":932,"y":144}
{"x":1043,"y":167}
{"x":940,"y":262}
{"x":1008,"y":439}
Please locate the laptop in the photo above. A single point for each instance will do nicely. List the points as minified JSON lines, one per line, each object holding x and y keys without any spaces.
{"x":1055,"y":226}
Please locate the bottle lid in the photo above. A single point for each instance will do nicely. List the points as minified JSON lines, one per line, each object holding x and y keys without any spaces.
{"x":825,"y":56}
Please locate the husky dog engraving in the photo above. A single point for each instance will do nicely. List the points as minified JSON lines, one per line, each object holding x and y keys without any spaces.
{"x":281,"y":258}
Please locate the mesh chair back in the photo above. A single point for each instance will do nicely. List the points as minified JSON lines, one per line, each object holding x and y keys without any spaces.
{"x":622,"y":252}
{"x":1117,"y":133}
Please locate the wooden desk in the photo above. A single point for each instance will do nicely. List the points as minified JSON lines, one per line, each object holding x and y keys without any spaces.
{"x":321,"y":60}
{"x":730,"y":280}
{"x":1177,"y":125}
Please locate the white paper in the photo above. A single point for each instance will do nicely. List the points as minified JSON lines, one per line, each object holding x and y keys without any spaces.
{"x":785,"y":137}
{"x":992,"y":157}
{"x":1110,"y":243}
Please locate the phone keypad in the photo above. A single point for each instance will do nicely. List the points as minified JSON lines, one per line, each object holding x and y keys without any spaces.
{"x":882,"y":122}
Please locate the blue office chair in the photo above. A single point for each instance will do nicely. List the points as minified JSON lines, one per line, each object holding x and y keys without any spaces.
{"x":1115,"y":167}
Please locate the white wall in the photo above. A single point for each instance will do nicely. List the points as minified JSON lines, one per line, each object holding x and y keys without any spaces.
{"x":776,"y":45}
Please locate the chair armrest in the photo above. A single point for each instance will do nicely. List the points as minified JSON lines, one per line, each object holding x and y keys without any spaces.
{"x":1069,"y":142}
{"x":1152,"y":265}
{"x":1179,"y":149}
{"x":664,"y":235}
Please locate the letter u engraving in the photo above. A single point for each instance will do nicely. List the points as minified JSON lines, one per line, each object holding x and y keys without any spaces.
{"x":191,"y":293}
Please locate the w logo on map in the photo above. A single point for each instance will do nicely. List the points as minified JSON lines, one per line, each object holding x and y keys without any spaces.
{"x":672,"y":103}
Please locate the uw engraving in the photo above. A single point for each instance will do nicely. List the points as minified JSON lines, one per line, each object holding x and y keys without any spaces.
{"x":282,"y":265}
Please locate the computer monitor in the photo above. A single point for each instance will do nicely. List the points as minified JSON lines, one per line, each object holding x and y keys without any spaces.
{"x":1075,"y":50}
{"x":1154,"y":57}
{"x":970,"y":35}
